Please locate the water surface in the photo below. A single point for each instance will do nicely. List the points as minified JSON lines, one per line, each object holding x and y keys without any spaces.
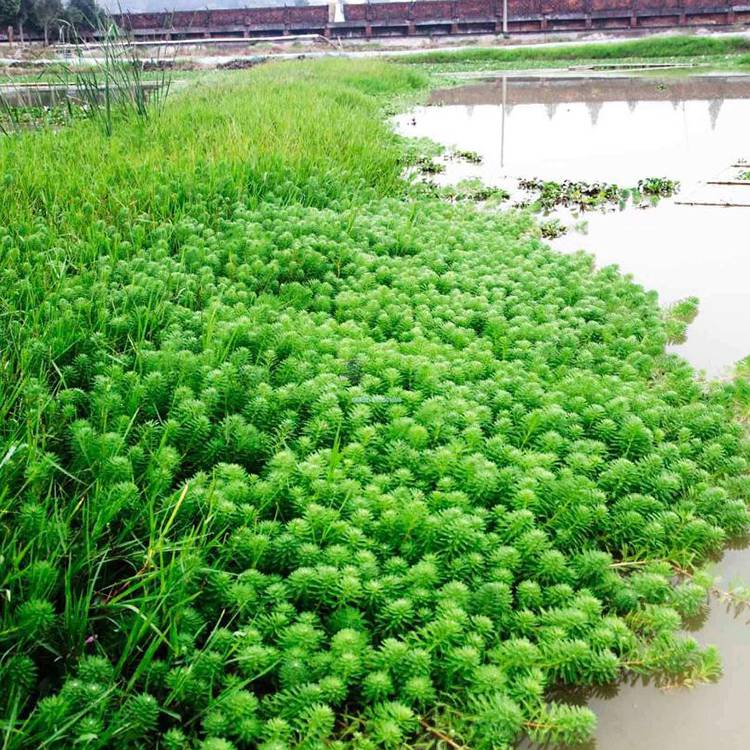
{"x":621,"y":129}
{"x":49,"y":95}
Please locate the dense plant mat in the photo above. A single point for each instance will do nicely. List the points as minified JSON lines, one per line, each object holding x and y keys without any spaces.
{"x":363,"y":474}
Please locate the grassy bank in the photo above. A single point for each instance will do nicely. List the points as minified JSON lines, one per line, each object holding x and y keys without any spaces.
{"x":293,"y":456}
{"x":287,"y":135}
{"x":718,"y":51}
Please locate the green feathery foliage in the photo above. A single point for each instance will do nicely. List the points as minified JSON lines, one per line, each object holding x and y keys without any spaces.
{"x":285,"y":473}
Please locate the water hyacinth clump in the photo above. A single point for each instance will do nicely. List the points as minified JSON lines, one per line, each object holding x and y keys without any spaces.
{"x":346,"y":476}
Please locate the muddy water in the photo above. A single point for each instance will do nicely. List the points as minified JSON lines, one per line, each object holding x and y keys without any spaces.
{"x":622,"y":129}
{"x":43,"y":95}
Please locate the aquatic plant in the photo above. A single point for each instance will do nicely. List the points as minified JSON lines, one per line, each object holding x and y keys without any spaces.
{"x":473,"y":190}
{"x":661,"y":187}
{"x":678,"y":316}
{"x":551,"y":229}
{"x":578,"y":194}
{"x":427,"y":165}
{"x":472,"y":157}
{"x":294,"y":458}
{"x":585,"y":196}
{"x":15,"y":118}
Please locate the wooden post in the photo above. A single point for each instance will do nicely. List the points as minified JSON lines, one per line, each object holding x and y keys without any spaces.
{"x":10,"y":37}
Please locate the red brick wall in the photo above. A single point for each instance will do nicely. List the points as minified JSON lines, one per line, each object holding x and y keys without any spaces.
{"x":314,"y":15}
{"x":467,"y":9}
{"x":659,"y":4}
{"x":388,"y":11}
{"x":259,"y":16}
{"x":417,"y":10}
{"x":522,"y":8}
{"x":438,"y":10}
{"x":356,"y":12}
{"x":563,"y":7}
{"x":602,"y":5}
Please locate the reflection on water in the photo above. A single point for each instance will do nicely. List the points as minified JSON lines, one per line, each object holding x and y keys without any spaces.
{"x":620,"y":130}
{"x":614,"y":129}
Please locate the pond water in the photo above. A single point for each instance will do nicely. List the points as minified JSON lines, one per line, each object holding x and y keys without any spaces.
{"x":621,"y":129}
{"x":49,"y":95}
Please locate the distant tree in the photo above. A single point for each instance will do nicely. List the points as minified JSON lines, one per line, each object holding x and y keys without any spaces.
{"x":9,"y":11}
{"x":25,"y":15}
{"x":47,"y":13}
{"x":83,"y":14}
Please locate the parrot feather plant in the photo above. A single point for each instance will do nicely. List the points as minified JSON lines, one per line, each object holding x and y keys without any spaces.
{"x":356,"y":473}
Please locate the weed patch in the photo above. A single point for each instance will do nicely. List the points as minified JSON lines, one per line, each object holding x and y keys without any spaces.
{"x":586,"y":196}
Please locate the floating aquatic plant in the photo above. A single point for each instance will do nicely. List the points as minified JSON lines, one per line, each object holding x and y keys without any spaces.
{"x":551,"y":229}
{"x":661,"y":187}
{"x":580,"y":195}
{"x":472,"y":157}
{"x":678,"y":316}
{"x":473,"y":190}
{"x":585,"y":196}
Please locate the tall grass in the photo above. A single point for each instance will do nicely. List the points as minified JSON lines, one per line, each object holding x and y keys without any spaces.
{"x":107,"y":88}
{"x":114,"y":86}
{"x":651,"y":47}
{"x":10,"y":116}
{"x":280,"y":128}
